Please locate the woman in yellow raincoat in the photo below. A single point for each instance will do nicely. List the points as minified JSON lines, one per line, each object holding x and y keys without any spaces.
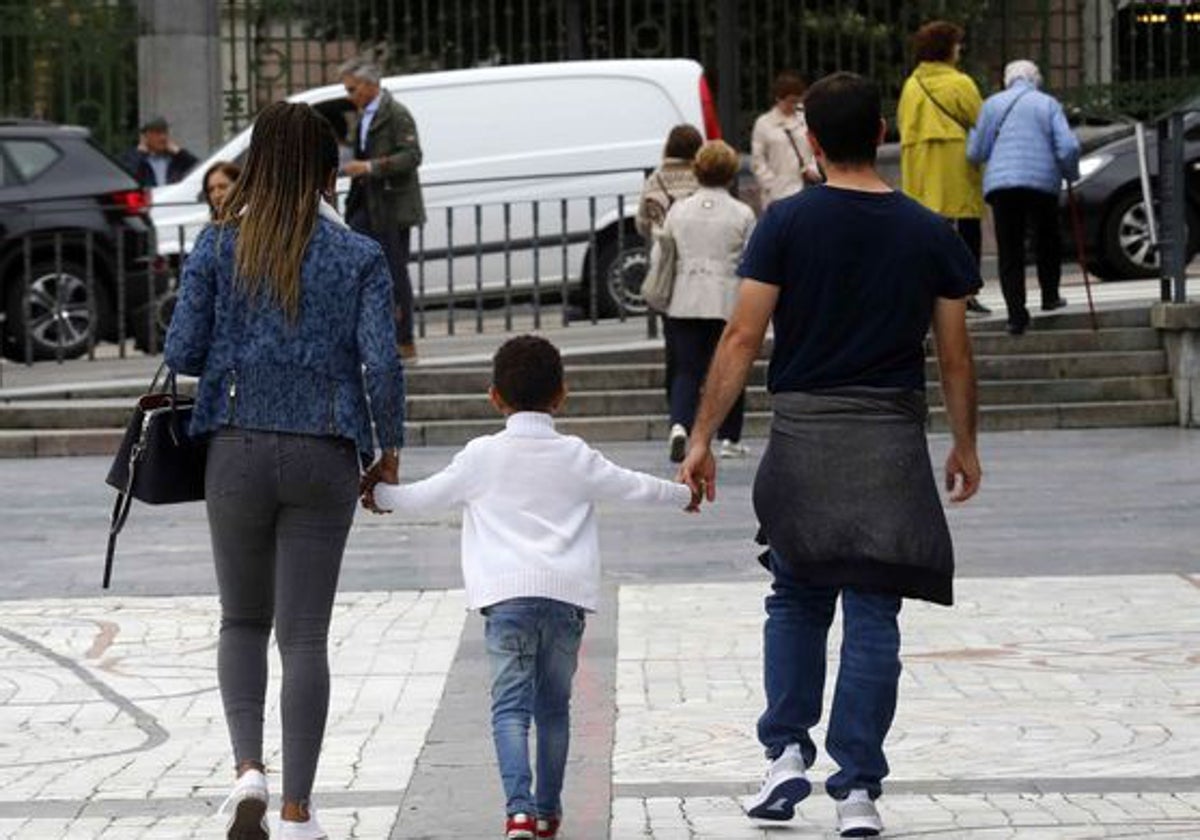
{"x":938,"y":106}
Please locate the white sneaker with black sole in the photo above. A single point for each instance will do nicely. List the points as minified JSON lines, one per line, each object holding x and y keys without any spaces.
{"x":678,"y":442}
{"x":858,"y":816}
{"x":246,"y":807}
{"x":785,"y":785}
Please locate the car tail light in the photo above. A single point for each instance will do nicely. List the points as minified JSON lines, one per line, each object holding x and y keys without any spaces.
{"x":712,"y":125}
{"x":131,"y":202}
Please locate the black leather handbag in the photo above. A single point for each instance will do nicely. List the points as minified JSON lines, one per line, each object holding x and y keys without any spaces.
{"x":158,"y":463}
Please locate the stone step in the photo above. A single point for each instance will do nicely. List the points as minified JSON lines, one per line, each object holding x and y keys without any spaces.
{"x":1065,"y":341}
{"x":1065,"y":365}
{"x":1019,"y":392}
{"x":114,"y":412}
{"x":649,"y":375}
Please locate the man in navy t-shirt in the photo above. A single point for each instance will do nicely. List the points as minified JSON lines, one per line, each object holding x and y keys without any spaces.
{"x":852,"y":275}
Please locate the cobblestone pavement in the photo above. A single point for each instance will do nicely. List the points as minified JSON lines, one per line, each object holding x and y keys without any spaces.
{"x":1051,"y":708}
{"x":1055,"y":707}
{"x":112,"y":725}
{"x":1036,"y":708}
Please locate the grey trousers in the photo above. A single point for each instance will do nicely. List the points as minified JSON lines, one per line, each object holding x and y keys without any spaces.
{"x":279,"y":509}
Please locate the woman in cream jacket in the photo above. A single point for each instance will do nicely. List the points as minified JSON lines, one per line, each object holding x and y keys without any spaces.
{"x":710,"y":229}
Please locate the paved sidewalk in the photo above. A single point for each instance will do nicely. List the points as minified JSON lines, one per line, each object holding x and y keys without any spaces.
{"x":1037,"y":708}
{"x":1056,"y":700}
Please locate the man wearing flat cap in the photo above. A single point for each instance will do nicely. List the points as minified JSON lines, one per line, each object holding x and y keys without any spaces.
{"x":157,"y":160}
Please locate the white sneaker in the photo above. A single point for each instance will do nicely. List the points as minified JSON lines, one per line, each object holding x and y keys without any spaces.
{"x":310,"y":830}
{"x":246,"y":806}
{"x":733,"y":449}
{"x":785,"y":785}
{"x":858,"y":816}
{"x":678,"y":442}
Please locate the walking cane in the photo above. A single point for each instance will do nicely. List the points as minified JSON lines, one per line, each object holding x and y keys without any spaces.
{"x":1081,"y":251}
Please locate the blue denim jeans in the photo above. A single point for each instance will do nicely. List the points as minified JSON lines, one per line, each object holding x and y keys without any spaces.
{"x":864,"y":700}
{"x":533,"y":645}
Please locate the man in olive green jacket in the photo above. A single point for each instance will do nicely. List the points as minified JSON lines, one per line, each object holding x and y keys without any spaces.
{"x":385,"y":190}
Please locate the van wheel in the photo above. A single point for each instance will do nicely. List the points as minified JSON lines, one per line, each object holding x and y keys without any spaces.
{"x":621,"y":270}
{"x":63,"y":317}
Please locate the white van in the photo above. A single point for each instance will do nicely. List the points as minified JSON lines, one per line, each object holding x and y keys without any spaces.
{"x":531,"y":174}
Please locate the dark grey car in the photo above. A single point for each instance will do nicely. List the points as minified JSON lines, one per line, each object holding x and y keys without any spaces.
{"x":76,"y":243}
{"x":1115,"y":223}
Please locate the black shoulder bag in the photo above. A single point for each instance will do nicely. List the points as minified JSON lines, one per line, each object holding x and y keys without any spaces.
{"x":158,"y":462}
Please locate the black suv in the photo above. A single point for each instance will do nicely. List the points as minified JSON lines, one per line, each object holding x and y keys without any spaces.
{"x":76,"y":245}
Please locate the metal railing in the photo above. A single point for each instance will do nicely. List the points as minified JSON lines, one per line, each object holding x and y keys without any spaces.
{"x":78,"y":287}
{"x":1172,"y":229}
{"x":475,"y":267}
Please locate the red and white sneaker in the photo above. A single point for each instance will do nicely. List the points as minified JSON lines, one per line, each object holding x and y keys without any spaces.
{"x":547,"y":827}
{"x":520,"y":827}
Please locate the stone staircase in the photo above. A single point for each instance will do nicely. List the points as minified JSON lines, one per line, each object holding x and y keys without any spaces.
{"x":1060,"y":374}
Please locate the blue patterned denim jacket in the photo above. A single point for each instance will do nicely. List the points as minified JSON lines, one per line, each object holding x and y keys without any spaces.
{"x":258,"y":370}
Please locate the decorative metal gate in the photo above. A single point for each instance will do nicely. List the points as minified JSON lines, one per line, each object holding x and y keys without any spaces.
{"x":71,"y":61}
{"x":1106,"y":56}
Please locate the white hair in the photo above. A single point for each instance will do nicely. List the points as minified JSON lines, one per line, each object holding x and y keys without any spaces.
{"x":360,"y":68}
{"x":1022,"y":68}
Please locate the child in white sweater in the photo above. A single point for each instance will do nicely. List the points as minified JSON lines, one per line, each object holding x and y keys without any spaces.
{"x":531,"y":562}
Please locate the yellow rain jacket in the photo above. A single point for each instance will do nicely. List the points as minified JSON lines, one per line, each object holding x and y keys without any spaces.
{"x":933,"y":140}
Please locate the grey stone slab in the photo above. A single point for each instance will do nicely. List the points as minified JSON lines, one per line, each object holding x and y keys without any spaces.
{"x":455,"y":788}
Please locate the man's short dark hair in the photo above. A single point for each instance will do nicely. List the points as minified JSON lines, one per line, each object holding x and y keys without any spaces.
{"x":843,"y":112}
{"x":527,"y":371}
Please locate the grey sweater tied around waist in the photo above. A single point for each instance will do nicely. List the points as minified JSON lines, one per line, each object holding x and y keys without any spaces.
{"x":845,"y":493}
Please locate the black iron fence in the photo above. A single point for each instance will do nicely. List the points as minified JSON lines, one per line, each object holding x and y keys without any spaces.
{"x":65,"y":291}
{"x":72,"y":61}
{"x":499,"y":266}
{"x":1174,"y":170}
{"x":75,"y":61}
{"x":1104,"y":57}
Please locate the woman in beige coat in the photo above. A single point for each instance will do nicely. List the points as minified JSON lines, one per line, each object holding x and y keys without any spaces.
{"x":780,"y":157}
{"x":710,"y":230}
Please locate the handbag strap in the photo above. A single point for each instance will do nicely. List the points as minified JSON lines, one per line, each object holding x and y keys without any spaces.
{"x":120,"y":513}
{"x":1004,"y":116}
{"x":795,"y":148}
{"x":940,"y":106}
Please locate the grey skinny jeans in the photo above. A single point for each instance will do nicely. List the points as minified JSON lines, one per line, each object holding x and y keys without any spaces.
{"x":279,"y":509}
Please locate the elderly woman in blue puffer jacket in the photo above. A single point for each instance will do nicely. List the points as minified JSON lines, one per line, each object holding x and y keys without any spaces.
{"x":1023,"y":137}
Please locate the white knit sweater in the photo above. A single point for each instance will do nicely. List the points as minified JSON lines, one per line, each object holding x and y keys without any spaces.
{"x":529,"y":524}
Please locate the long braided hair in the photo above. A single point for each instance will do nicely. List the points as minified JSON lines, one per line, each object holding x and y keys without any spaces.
{"x":273,"y":205}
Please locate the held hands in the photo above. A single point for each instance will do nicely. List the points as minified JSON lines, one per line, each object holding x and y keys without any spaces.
{"x":387,"y":469}
{"x":356,"y":168}
{"x":699,"y":472}
{"x":963,"y":474}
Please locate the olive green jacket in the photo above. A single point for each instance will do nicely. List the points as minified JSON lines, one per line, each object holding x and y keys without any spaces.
{"x":392,"y":190}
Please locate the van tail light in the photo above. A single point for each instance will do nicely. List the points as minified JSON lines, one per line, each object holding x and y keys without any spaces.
{"x":131,"y":202}
{"x":712,"y":125}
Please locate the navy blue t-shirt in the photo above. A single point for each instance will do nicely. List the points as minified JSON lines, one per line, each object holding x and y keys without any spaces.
{"x":858,"y":273}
